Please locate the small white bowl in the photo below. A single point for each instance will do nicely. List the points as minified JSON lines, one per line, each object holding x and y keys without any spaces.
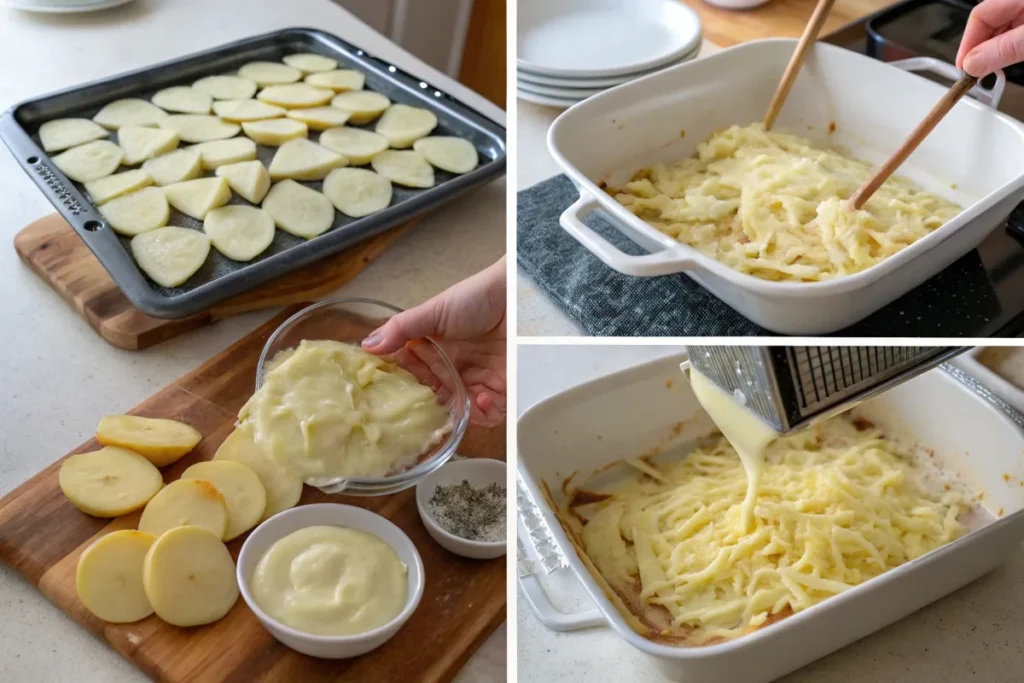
{"x":478,"y":472}
{"x":330,"y":514}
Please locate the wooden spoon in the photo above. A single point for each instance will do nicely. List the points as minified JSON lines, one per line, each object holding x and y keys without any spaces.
{"x":796,"y":61}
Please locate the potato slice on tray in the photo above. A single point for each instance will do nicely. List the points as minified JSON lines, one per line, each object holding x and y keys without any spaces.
{"x":109,"y":482}
{"x":247,"y":110}
{"x":239,"y":232}
{"x":109,"y":576}
{"x":357,"y":192}
{"x":299,"y":210}
{"x":403,"y":125}
{"x":249,"y":179}
{"x":295,"y":95}
{"x":341,"y":80}
{"x":308,"y":62}
{"x":275,"y":132}
{"x":171,"y":255}
{"x":129,"y":112}
{"x":355,"y":143}
{"x":189,"y":577}
{"x":61,"y":134}
{"x":363,"y":105}
{"x":217,"y":153}
{"x":186,"y":502}
{"x":304,"y":160}
{"x":200,"y":127}
{"x":451,"y":154}
{"x":283,"y":487}
{"x":159,"y":440}
{"x":90,"y":161}
{"x":269,"y":73}
{"x":102,"y":190}
{"x":175,"y":167}
{"x":242,"y":490}
{"x":141,"y":143}
{"x":404,"y":167}
{"x":183,"y":100}
{"x":198,"y":197}
{"x":137,"y":212}
{"x":226,"y":87}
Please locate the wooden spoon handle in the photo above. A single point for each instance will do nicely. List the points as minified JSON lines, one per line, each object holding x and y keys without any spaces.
{"x":796,"y":61}
{"x":941,"y":108}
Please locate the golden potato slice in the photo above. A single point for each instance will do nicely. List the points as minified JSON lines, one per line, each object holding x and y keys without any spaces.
{"x":102,"y":190}
{"x":249,"y":179}
{"x":355,"y":143}
{"x":226,"y":87}
{"x":363,"y":105}
{"x":217,"y":153}
{"x":341,"y":80}
{"x":299,"y":210}
{"x":295,"y":95}
{"x":239,"y":232}
{"x":171,"y":255}
{"x":275,"y":132}
{"x":304,"y":160}
{"x":242,"y":490}
{"x":404,"y":167}
{"x":141,"y":143}
{"x":159,"y":440}
{"x":247,"y":110}
{"x":198,"y":197}
{"x":175,"y":167}
{"x":189,"y":577}
{"x":137,"y":212}
{"x":403,"y":125}
{"x":269,"y":73}
{"x":90,"y":161}
{"x":129,"y":112}
{"x":186,"y":502}
{"x":62,"y":134}
{"x":109,"y":482}
{"x":357,"y":192}
{"x":454,"y":155}
{"x":283,"y":488}
{"x":319,"y":118}
{"x":109,"y":576}
{"x":199,"y":127}
{"x":307,"y":62}
{"x":184,"y":100}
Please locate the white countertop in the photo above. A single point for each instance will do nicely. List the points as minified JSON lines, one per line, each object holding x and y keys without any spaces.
{"x":974,"y":635}
{"x":60,"y":377}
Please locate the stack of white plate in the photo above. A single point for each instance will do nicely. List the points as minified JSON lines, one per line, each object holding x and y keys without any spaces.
{"x":569,"y":50}
{"x":63,"y":6}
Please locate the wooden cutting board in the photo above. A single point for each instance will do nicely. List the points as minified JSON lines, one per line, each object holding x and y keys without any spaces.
{"x":42,"y":535}
{"x":57,"y":254}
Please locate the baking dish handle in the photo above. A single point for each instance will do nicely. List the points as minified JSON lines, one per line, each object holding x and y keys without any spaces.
{"x":545,"y":610}
{"x":950,"y":72}
{"x":663,"y":262}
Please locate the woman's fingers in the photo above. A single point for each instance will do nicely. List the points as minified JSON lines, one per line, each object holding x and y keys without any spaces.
{"x":418,"y":322}
{"x":988,"y":20}
{"x":996,"y":53}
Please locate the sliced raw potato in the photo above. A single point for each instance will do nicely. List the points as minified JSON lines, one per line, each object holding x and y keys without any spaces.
{"x":307,"y":62}
{"x":355,"y":143}
{"x":338,"y":81}
{"x":109,"y":576}
{"x":242,"y":490}
{"x":186,"y":502}
{"x":363,"y":105}
{"x":189,"y":577}
{"x":239,"y":232}
{"x":137,"y":212}
{"x":249,"y":179}
{"x":403,"y":125}
{"x":299,"y":210}
{"x":269,"y":73}
{"x":197,"y":197}
{"x":158,"y":440}
{"x":96,"y":159}
{"x":246,"y":110}
{"x":200,"y":127}
{"x":141,"y":143}
{"x":319,"y":118}
{"x":184,"y":100}
{"x":129,"y":112}
{"x":109,"y":482}
{"x":283,"y":487}
{"x":357,"y":192}
{"x":102,"y":190}
{"x":454,"y":155}
{"x":275,"y":132}
{"x":175,"y":167}
{"x":295,"y":95}
{"x":217,"y":153}
{"x":64,"y":133}
{"x":171,"y":255}
{"x":404,"y":167}
{"x":226,"y":87}
{"x":304,"y":160}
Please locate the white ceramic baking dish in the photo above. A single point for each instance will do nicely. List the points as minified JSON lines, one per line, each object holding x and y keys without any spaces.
{"x":873,"y":106}
{"x":999,"y":385}
{"x":972,"y":432}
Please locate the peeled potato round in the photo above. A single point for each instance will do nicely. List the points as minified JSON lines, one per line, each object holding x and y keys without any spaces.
{"x":299,"y":210}
{"x":226,"y":87}
{"x":307,"y":62}
{"x":295,"y":95}
{"x":109,"y":482}
{"x":269,"y":73}
{"x":189,"y":577}
{"x":355,"y":143}
{"x":404,"y":167}
{"x":242,"y":490}
{"x":198,"y":197}
{"x":175,"y":167}
{"x":275,"y":132}
{"x":102,"y":190}
{"x":357,"y":192}
{"x":171,"y":255}
{"x":137,"y":212}
{"x":64,"y":133}
{"x":90,"y":161}
{"x":141,"y":143}
{"x":239,"y":232}
{"x":109,"y":576}
{"x":247,"y":110}
{"x":217,"y":153}
{"x":158,"y":440}
{"x":129,"y":112}
{"x":249,"y":179}
{"x":199,"y":127}
{"x":186,"y":502}
{"x":283,"y":487}
{"x":454,"y":155}
{"x":319,"y":118}
{"x":403,"y":125}
{"x":363,"y":105}
{"x":184,"y":100}
{"x":304,"y":160}
{"x":341,"y":80}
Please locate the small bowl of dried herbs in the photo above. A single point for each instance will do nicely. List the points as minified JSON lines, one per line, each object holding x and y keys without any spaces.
{"x":463,"y":506}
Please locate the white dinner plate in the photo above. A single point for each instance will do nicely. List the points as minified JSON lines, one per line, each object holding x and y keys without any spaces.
{"x":561,"y":102}
{"x":592,"y":83}
{"x":602,"y":38}
{"x":564,"y":93}
{"x":63,"y":6}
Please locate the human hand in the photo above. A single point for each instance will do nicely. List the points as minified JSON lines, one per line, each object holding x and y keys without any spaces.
{"x":468,"y":322}
{"x":993,"y":39}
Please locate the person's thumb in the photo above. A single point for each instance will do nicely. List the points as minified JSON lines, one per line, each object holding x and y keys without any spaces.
{"x":421,"y":321}
{"x":996,"y":53}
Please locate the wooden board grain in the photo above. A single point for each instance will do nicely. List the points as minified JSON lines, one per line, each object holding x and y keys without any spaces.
{"x":42,"y":535}
{"x":52,"y":249}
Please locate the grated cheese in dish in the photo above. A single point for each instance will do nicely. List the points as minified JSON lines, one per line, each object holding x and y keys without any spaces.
{"x":772,"y":205}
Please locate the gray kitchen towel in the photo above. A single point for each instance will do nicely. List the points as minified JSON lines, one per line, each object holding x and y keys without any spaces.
{"x":960,"y":301}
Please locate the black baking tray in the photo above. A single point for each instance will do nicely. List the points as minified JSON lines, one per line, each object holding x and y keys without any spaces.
{"x":220,"y":278}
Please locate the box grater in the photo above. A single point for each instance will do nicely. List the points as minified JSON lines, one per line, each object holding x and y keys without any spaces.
{"x":792,"y":386}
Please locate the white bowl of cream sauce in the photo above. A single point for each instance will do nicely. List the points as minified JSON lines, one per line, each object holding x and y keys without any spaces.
{"x":273,"y":559}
